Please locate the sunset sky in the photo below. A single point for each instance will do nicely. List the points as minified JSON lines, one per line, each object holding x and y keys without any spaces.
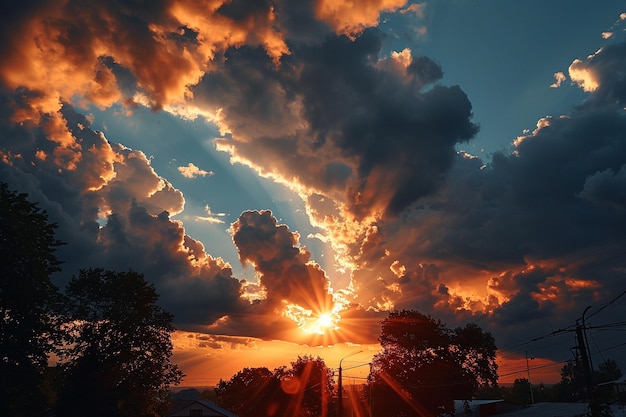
{"x":287,"y":172}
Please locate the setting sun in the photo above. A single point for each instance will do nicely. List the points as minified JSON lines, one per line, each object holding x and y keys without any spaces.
{"x":310,"y":322}
{"x":323,"y":323}
{"x":286,"y":177}
{"x":325,"y":320}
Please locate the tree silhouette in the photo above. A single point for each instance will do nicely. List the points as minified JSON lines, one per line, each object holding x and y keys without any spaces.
{"x":252,"y":392}
{"x":424,"y":366}
{"x":303,"y":390}
{"x":118,"y":360}
{"x":314,"y":384}
{"x":572,"y":387}
{"x":29,"y":302}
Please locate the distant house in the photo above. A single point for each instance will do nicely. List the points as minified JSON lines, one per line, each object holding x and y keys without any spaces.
{"x":198,"y":408}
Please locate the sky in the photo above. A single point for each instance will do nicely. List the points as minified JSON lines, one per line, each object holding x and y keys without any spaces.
{"x":286,"y":172}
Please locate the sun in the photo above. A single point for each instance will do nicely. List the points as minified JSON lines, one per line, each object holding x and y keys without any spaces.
{"x":311,"y":322}
{"x":321,"y":324}
{"x":325,"y":320}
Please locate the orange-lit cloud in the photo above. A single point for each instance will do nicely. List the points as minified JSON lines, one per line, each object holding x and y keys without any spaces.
{"x":368,"y":141}
{"x":192,"y":171}
{"x":66,"y":51}
{"x":559,"y":78}
{"x":293,"y":285}
{"x":350,"y":18}
{"x":584,"y":76}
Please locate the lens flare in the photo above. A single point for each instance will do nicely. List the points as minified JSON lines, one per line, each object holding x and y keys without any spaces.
{"x":311,"y":322}
{"x":325,"y":321}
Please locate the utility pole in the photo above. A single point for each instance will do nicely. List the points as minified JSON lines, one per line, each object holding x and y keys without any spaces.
{"x":584,"y":356}
{"x":532,"y":396}
{"x":340,"y":386}
{"x":340,"y":394}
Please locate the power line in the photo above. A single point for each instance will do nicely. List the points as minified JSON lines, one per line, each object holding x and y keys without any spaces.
{"x":607,"y":304}
{"x":549,"y":365}
{"x":511,"y":352}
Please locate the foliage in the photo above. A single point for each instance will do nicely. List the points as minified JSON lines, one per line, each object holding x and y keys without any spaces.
{"x":519,"y":393}
{"x":29,"y":302}
{"x":572,"y":386}
{"x":250,"y":392}
{"x":608,"y":371}
{"x":315,"y":386}
{"x":303,"y":390}
{"x":425,"y":366}
{"x":120,"y":347}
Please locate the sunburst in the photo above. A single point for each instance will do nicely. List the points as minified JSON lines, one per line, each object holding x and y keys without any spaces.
{"x":312,"y":322}
{"x":321,"y":324}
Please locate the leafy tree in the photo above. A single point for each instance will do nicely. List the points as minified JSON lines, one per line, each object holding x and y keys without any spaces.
{"x":608,"y":371}
{"x":519,"y":392}
{"x":208,"y":395}
{"x":29,"y":302}
{"x":424,"y":366}
{"x":315,"y":386}
{"x":572,"y":386}
{"x":304,"y":390}
{"x":118,"y":361}
{"x":490,"y":392}
{"x":249,"y":393}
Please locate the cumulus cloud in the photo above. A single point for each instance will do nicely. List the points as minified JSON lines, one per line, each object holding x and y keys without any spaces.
{"x":192,"y":171}
{"x":601,"y":74}
{"x":287,"y":274}
{"x":559,"y":78}
{"x":350,"y":18}
{"x":583,"y":75}
{"x":210,"y":216}
{"x":529,"y":237}
{"x":114,"y":212}
{"x":113,"y":209}
{"x":303,"y":94}
{"x":362,"y":128}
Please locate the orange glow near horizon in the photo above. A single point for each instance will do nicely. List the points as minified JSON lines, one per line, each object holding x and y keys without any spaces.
{"x":541,"y":370}
{"x":205,"y":359}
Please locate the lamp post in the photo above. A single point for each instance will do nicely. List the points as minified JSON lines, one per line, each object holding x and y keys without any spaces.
{"x":532,"y":397}
{"x":340,"y":390}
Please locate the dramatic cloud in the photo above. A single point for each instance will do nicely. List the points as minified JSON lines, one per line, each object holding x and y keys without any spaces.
{"x":361,"y":129}
{"x":350,"y":18}
{"x":541,"y":226}
{"x":602,"y":74}
{"x":112,"y":207}
{"x":305,"y":93}
{"x":293,"y":285}
{"x":113,"y":211}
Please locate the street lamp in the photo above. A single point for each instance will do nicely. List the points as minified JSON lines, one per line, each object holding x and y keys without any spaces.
{"x":340,"y":390}
{"x":532,"y":397}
